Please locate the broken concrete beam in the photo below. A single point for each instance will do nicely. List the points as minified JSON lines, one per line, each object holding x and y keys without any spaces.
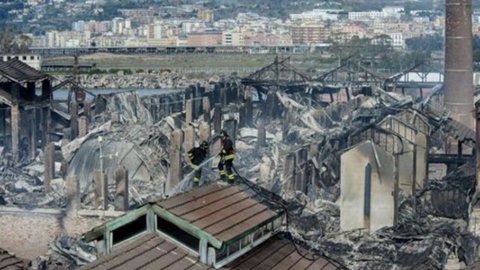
{"x":286,"y":124}
{"x":188,"y":111}
{"x":121,"y":189}
{"x":101,"y":190}
{"x":15,"y":130}
{"x":73,"y":195}
{"x":49,"y":166}
{"x":205,"y":132}
{"x":217,"y":118}
{"x":82,"y":126}
{"x":206,"y":109}
{"x":189,"y":140}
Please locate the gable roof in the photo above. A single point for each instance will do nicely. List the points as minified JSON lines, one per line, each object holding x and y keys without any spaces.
{"x":222,"y":214}
{"x":19,"y":72}
{"x":147,"y":252}
{"x":151,"y":251}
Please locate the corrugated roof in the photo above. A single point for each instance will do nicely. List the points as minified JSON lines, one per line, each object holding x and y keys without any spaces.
{"x":18,"y":71}
{"x":10,"y":262}
{"x":153,"y":252}
{"x":224,"y":212}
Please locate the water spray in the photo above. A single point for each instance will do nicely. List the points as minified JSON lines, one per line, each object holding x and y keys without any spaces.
{"x":184,"y":184}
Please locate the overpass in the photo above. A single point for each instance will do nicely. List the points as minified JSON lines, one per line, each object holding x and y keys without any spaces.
{"x":280,"y":49}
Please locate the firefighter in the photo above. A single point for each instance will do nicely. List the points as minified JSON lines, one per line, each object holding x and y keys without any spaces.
{"x":227,"y":154}
{"x":197,"y":155}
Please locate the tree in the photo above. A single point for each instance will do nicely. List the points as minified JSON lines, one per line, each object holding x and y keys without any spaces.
{"x":425,"y":43}
{"x":12,"y":42}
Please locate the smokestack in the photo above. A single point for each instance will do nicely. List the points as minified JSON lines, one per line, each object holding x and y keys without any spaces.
{"x":458,"y":61}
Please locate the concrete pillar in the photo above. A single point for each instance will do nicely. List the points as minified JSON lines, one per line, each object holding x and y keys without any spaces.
{"x":248,"y":108}
{"x":197,"y":102}
{"x":30,"y":93}
{"x":301,"y":173}
{"x":216,"y":94}
{"x":175,"y":171}
{"x":205,"y":131}
{"x":46,"y":89}
{"x":188,"y":112}
{"x":49,"y":166}
{"x":223,"y":96}
{"x":477,"y":145}
{"x":82,"y":126}
{"x":121,"y":189}
{"x":206,"y":109}
{"x":46,"y":124}
{"x":261,"y":136}
{"x":87,"y":110}
{"x":230,"y":126}
{"x":74,"y":118}
{"x":166,"y":106}
{"x":101,"y":190}
{"x":15,"y":129}
{"x":270,"y":106}
{"x":15,"y":92}
{"x":242,"y":122}
{"x":3,"y":125}
{"x":217,"y":118}
{"x":189,"y":140}
{"x":73,"y":195}
{"x":33,"y":134}
{"x":100,"y":104}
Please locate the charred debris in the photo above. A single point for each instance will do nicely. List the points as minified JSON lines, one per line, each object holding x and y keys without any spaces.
{"x":374,"y":177}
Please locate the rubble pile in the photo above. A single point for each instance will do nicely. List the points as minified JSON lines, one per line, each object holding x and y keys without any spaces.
{"x":431,"y":225}
{"x":22,"y":186}
{"x":66,"y":252}
{"x":151,"y":80}
{"x":131,"y":141}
